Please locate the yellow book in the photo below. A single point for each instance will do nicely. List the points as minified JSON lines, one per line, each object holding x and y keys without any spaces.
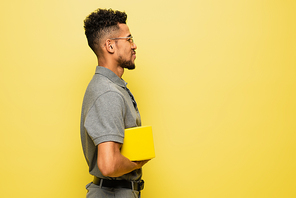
{"x":138,"y":143}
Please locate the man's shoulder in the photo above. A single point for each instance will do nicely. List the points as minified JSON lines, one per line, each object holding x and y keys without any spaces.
{"x":103,"y":83}
{"x":100,"y":85}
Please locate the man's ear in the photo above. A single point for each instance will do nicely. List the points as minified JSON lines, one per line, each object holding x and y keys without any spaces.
{"x":109,"y":46}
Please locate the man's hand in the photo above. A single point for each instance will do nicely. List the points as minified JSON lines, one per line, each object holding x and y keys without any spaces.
{"x":139,"y":164}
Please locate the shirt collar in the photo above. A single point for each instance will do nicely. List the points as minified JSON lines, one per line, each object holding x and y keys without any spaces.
{"x":111,"y":76}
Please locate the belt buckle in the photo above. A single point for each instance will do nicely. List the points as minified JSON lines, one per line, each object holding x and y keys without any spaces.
{"x":139,"y":185}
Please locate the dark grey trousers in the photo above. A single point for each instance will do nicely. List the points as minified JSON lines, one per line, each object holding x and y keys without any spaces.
{"x":95,"y":191}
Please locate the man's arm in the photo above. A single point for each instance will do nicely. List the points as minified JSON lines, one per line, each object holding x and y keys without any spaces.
{"x":112,"y":164}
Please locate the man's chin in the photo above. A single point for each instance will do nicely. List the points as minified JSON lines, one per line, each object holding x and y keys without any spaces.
{"x":128,"y":66}
{"x":131,"y":68}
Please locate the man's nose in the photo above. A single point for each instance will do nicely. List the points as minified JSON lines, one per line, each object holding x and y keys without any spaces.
{"x":134,"y":46}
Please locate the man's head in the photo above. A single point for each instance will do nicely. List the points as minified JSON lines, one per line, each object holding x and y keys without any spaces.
{"x":108,"y":35}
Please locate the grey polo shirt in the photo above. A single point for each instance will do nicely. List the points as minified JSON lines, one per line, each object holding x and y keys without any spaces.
{"x":107,"y":110}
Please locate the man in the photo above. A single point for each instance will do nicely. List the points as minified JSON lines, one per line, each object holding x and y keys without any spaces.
{"x":109,"y":108}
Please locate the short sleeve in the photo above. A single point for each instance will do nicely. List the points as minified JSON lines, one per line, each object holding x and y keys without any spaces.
{"x":105,"y":119}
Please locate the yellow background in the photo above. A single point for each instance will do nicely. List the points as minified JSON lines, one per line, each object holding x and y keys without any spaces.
{"x":215,"y":79}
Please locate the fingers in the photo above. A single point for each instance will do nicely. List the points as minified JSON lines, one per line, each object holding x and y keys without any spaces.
{"x":141,"y":163}
{"x":145,"y":161}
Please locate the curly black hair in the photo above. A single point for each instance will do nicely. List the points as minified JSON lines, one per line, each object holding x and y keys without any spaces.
{"x":100,"y":22}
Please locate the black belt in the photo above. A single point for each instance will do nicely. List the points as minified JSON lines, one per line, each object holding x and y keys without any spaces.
{"x":134,"y":185}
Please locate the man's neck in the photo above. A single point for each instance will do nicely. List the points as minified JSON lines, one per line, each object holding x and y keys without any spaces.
{"x":117,"y":70}
{"x":113,"y":67}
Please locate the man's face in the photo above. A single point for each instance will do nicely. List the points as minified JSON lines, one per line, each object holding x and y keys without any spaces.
{"x":126,"y":49}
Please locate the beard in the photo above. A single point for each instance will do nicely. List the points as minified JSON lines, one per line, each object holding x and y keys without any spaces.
{"x":126,"y":64}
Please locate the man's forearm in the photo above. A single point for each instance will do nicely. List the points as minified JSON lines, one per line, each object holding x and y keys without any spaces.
{"x":112,"y":164}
